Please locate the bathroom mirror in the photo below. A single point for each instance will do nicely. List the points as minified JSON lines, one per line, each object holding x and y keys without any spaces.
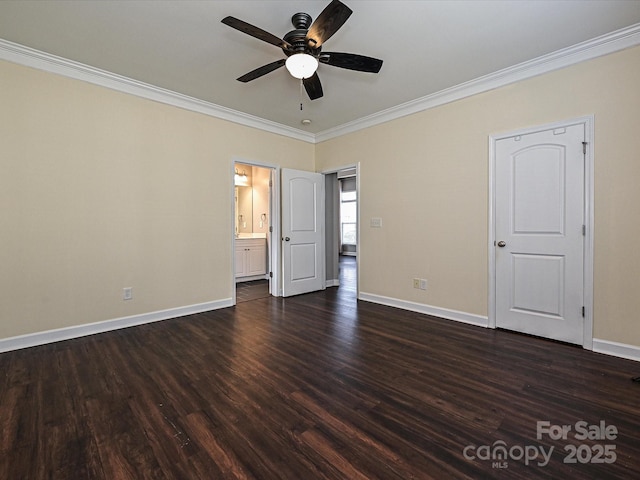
{"x":251,"y":200}
{"x":244,"y":209}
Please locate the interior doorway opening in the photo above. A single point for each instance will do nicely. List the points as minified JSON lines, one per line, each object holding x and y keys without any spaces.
{"x":342,"y":227}
{"x":253,"y":226}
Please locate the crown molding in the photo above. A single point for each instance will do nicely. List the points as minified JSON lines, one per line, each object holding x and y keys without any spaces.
{"x":612,"y":42}
{"x":590,"y":49}
{"x":16,"y":53}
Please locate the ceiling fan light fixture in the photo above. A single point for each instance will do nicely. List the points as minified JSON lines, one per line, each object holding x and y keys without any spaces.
{"x":301,"y":65}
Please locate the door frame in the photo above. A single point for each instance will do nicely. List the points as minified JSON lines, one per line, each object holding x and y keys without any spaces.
{"x":274,"y":250}
{"x":588,"y":122}
{"x":359,"y":223}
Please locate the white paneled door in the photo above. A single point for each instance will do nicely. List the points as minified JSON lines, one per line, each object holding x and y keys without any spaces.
{"x":539,"y":233}
{"x":302,"y":232}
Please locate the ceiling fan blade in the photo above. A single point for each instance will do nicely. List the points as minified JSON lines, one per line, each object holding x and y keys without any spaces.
{"x":351,"y":61}
{"x":328,"y":22}
{"x":260,"y":71}
{"x":313,"y":86}
{"x":256,"y":32}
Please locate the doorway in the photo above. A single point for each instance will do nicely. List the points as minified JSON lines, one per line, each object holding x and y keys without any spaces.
{"x":342,"y":226}
{"x":252,"y":230}
{"x":541,"y":253}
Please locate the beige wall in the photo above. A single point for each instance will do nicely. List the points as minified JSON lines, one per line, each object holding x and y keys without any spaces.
{"x":101,"y":190}
{"x":426,"y":175}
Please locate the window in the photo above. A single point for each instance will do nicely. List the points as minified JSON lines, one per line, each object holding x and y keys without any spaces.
{"x":348,"y":211}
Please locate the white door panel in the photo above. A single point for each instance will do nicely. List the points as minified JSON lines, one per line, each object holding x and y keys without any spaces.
{"x":303,"y":195}
{"x":302,"y":232}
{"x":303,"y":265}
{"x":539,"y":197}
{"x":532,"y":296}
{"x":538,"y":181}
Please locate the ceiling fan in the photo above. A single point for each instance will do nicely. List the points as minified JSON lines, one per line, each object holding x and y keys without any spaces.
{"x":303,"y":47}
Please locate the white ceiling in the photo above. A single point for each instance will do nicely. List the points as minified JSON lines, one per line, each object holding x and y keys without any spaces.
{"x":427,"y":46}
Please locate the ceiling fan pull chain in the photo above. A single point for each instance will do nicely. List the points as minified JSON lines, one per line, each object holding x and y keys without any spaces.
{"x":301,"y":85}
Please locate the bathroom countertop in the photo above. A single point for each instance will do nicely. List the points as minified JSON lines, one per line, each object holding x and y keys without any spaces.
{"x":251,"y":235}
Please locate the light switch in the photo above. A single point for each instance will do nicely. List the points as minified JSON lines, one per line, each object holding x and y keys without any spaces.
{"x":376,"y":222}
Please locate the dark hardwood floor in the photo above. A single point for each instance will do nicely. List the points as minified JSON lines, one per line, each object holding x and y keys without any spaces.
{"x":247,"y":291}
{"x":318,"y":386}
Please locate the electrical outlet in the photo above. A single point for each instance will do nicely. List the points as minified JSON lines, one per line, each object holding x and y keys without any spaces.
{"x":127,"y":293}
{"x":420,"y":283}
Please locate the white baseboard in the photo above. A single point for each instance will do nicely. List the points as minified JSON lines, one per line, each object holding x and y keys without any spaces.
{"x":50,"y":336}
{"x":332,"y":283}
{"x":622,"y":350}
{"x":463,"y":317}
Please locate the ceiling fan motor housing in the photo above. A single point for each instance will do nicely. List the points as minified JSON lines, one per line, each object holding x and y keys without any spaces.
{"x":297,"y":38}
{"x":301,"y":21}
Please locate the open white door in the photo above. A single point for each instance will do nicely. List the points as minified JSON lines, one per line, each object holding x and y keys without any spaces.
{"x":303,"y":254}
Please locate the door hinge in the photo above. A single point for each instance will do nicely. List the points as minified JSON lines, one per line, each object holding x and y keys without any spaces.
{"x":584,"y":148}
{"x":584,"y":230}
{"x":271,"y":276}
{"x":270,"y":229}
{"x":582,"y":312}
{"x":270,"y":183}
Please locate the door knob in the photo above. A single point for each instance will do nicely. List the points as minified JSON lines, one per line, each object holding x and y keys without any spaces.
{"x":286,"y":239}
{"x":502,"y":243}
